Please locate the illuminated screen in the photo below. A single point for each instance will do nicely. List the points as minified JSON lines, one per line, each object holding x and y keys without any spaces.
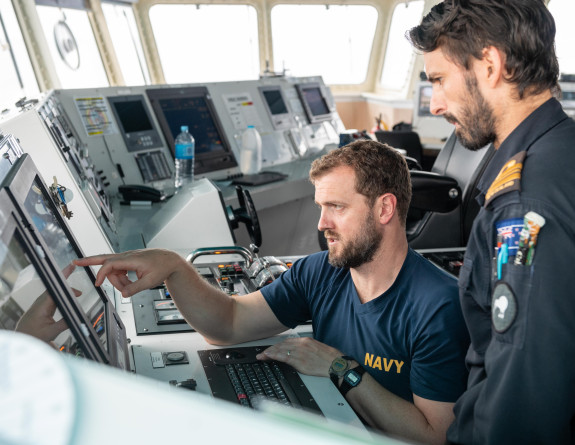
{"x":193,"y":107}
{"x":275,"y":102}
{"x":41,"y":210}
{"x":192,"y":111}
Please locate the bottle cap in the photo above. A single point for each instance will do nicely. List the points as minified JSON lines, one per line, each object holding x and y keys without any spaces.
{"x":184,"y":128}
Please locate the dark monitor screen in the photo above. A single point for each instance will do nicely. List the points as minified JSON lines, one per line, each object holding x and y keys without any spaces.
{"x":193,"y":106}
{"x":314,"y":102}
{"x":424,"y":100}
{"x":135,"y":122}
{"x":99,"y":322}
{"x":132,"y":116}
{"x":275,"y":101}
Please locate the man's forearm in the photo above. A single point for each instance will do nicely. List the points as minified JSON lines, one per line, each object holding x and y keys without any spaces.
{"x":390,"y":413}
{"x":207,"y":309}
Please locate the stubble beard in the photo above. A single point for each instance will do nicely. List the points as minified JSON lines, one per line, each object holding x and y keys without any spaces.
{"x":477,"y":124}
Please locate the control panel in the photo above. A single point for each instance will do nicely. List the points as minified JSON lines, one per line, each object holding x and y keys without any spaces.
{"x":43,"y":132}
{"x":129,"y":132}
{"x":156,"y":313}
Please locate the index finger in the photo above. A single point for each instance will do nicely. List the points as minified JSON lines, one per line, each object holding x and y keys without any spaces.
{"x":109,"y":264}
{"x":94,"y":260}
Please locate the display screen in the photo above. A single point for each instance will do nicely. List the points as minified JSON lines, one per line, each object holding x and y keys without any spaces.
{"x":135,"y":123}
{"x":132,"y":116}
{"x":424,"y":101}
{"x":41,"y":209}
{"x":193,"y":112}
{"x":193,"y":107}
{"x":275,"y":102}
{"x":25,"y":299}
{"x":315,"y":101}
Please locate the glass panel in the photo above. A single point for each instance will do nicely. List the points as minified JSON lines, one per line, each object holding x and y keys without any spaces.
{"x":18,"y":79}
{"x":127,"y":44}
{"x":72,"y":47}
{"x":399,"y":55}
{"x":333,"y":41}
{"x":563,"y":12}
{"x":206,"y":43}
{"x":48,"y":225}
{"x":25,"y":302}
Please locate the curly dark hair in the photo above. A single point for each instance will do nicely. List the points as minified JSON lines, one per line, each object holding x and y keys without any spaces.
{"x":524,"y":30}
{"x":378,"y":168}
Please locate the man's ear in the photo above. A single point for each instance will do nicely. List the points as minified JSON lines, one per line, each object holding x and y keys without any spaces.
{"x":491,"y":68}
{"x":386,"y":205}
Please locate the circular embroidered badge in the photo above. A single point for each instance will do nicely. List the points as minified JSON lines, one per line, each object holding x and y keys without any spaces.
{"x":503,"y":307}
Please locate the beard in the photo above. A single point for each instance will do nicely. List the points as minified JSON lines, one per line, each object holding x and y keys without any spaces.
{"x":357,"y":251}
{"x":477,"y":124}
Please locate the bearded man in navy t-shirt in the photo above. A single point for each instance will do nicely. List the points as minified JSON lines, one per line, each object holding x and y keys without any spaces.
{"x":387,"y":324}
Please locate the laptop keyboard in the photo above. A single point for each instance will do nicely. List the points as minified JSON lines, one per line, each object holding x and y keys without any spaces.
{"x":253,"y":381}
{"x":236,"y":375}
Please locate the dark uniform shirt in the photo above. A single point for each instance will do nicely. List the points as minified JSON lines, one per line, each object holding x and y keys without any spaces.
{"x":412,"y":338}
{"x":521,"y":387}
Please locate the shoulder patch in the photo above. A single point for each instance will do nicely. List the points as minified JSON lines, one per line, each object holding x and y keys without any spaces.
{"x":508,"y":179}
{"x":503,"y":307}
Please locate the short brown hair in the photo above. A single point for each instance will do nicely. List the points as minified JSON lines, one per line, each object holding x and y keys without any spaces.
{"x":378,"y":168}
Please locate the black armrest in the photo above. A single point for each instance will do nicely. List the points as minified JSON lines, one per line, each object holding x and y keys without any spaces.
{"x":412,"y":163}
{"x":433,"y":192}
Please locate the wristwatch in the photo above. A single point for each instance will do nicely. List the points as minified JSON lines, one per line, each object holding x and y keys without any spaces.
{"x":338,"y":368}
{"x":351,"y":379}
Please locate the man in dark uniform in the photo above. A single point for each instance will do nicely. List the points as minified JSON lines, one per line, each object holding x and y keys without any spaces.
{"x":494,"y":70}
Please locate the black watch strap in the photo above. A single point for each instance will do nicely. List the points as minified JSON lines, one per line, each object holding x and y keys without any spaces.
{"x":351,"y":379}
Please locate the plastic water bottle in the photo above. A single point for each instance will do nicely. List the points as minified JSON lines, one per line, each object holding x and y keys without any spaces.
{"x":185,"y":148}
{"x":251,"y":151}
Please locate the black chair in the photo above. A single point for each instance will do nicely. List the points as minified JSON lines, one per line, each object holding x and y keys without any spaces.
{"x":443,"y":204}
{"x":402,"y":139}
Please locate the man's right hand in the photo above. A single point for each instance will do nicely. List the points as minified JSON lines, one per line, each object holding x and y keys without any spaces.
{"x":221,"y":318}
{"x":151,"y":266}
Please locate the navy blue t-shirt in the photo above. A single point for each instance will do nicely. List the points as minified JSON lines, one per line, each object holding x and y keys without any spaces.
{"x":411,"y":339}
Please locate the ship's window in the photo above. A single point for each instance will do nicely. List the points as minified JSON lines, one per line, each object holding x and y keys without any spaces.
{"x":18,"y":78}
{"x":124,"y":33}
{"x":333,"y":41}
{"x":563,"y":12}
{"x":72,"y":47}
{"x":399,"y":55}
{"x":206,"y":43}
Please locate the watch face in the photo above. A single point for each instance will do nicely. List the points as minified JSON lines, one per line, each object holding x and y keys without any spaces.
{"x":353,"y":378}
{"x":339,"y":366}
